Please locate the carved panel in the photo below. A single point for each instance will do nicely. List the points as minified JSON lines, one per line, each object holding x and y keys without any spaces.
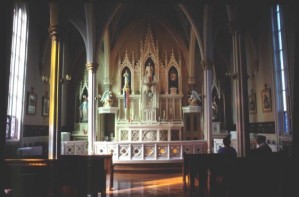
{"x":137,"y":152}
{"x":163,"y":135}
{"x":135,"y":135}
{"x":162,"y":151}
{"x":149,"y":135}
{"x":124,"y":151}
{"x":175,"y":135}
{"x":175,"y":151}
{"x":124,"y":135}
{"x":149,"y":152}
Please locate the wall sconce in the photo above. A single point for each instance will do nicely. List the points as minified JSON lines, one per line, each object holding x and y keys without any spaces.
{"x":66,"y":79}
{"x":98,"y":97}
{"x":45,"y":79}
{"x":231,"y":76}
{"x":253,"y":74}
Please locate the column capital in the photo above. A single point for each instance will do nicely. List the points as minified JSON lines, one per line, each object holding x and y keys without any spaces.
{"x":234,"y":27}
{"x":206,"y":64}
{"x":54,"y":31}
{"x":191,"y":81}
{"x":231,"y":26}
{"x":92,"y":66}
{"x":107,"y":83}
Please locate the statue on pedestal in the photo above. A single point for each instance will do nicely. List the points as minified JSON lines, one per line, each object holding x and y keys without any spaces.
{"x":215,"y":109}
{"x":107,"y":98}
{"x":149,"y":73}
{"x":84,"y":109}
{"x":194,"y":98}
{"x":127,"y":79}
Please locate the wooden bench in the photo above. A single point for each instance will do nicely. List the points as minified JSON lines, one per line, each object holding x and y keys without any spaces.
{"x":70,"y":175}
{"x":217,"y":175}
{"x":201,"y":171}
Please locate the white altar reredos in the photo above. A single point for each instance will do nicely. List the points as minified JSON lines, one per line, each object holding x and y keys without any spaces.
{"x":147,"y":119}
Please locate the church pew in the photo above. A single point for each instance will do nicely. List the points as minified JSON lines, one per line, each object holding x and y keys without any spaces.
{"x":218,"y":175}
{"x":26,"y":177}
{"x":71,"y":175}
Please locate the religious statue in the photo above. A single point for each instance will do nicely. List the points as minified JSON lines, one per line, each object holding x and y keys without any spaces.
{"x":84,"y":109}
{"x":107,"y":98}
{"x":149,"y":72}
{"x":194,"y":98}
{"x":173,"y":76}
{"x":215,"y":109}
{"x":127,"y":79}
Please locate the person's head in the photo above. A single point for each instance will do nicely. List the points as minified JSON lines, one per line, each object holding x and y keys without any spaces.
{"x":260,"y":139}
{"x":226,"y":141}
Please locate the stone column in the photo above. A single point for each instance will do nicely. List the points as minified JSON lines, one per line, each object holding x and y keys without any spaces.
{"x":207,"y":102}
{"x":241,"y":90}
{"x":207,"y":67}
{"x":55,"y":86}
{"x":92,"y":105}
{"x":91,"y":67}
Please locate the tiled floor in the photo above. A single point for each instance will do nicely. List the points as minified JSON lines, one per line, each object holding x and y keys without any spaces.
{"x":147,"y":185}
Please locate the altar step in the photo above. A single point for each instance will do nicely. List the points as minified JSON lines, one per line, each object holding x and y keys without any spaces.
{"x":149,"y":167}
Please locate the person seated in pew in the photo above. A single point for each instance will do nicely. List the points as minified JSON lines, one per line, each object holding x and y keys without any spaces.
{"x":227,"y":149}
{"x":261,"y":145}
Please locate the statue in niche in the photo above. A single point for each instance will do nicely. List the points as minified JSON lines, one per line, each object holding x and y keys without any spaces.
{"x":149,"y":73}
{"x":107,"y":98}
{"x":84,"y":109}
{"x":215,"y":108}
{"x":173,"y":76}
{"x":127,"y":79}
{"x":173,"y":81}
{"x":194,"y":98}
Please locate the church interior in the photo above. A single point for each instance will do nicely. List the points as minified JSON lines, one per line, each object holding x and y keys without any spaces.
{"x":146,"y":82}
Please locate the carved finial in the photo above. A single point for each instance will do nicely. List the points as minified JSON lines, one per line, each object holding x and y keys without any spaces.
{"x":141,"y":47}
{"x":133,"y":58}
{"x":126,"y":54}
{"x":166,"y":59}
{"x":119,"y":59}
{"x":206,"y":64}
{"x":148,"y":36}
{"x":180,"y":58}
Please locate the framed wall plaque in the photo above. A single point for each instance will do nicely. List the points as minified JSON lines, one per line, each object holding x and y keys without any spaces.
{"x":252,"y":102}
{"x":31,"y":103}
{"x":45,"y":105}
{"x":266,"y":99}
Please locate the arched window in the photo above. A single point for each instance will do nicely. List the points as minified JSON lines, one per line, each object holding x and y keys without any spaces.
{"x":281,"y":72}
{"x":18,"y":64}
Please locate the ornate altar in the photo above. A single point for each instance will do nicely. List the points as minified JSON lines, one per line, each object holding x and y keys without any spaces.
{"x":142,"y":121}
{"x":149,"y":122}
